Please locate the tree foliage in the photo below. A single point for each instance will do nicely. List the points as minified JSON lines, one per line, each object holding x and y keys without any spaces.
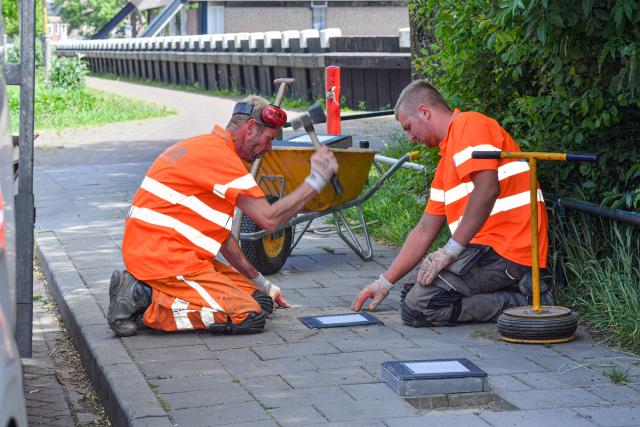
{"x":11,"y":17}
{"x":88,"y":16}
{"x":559,"y":75}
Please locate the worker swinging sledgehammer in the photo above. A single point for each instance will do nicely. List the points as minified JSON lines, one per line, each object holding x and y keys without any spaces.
{"x":180,"y":220}
{"x":485,"y":267}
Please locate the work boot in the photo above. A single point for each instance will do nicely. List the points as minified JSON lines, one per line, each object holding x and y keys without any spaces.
{"x":128,"y":298}
{"x":525,"y":285}
{"x":265,"y":301}
{"x":253,"y":324}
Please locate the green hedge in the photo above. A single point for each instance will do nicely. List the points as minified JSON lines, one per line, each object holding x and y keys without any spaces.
{"x":559,"y":75}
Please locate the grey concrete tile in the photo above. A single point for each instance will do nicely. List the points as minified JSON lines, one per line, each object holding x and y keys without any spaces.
{"x":534,"y":418}
{"x":225,"y":342}
{"x":220,"y":414}
{"x":158,"y":339}
{"x":347,"y":360}
{"x":570,"y":379}
{"x":268,"y":368}
{"x":365,"y":392}
{"x":442,"y":420}
{"x":617,"y":394}
{"x":562,"y":398}
{"x":502,"y":383}
{"x":190,"y":384}
{"x":328,"y":377}
{"x":296,"y":349}
{"x":371,"y":338}
{"x":193,"y":352}
{"x":175,"y":369}
{"x":612,"y":416}
{"x":221,"y":394}
{"x":295,"y":415}
{"x":362,"y":410}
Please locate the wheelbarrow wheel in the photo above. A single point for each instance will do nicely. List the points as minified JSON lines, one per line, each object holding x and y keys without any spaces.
{"x":268,"y":254}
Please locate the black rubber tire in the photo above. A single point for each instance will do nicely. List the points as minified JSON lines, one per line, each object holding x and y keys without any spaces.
{"x":255,"y":252}
{"x":539,"y":329}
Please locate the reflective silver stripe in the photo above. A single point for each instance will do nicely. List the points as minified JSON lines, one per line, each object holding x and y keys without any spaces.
{"x":190,"y":233}
{"x":222,"y":135}
{"x":174,"y":197}
{"x":458,"y":192}
{"x":465,"y":154}
{"x":503,"y":205}
{"x":505,"y":171}
{"x":513,"y":202}
{"x":243,"y":183}
{"x":202,"y":292}
{"x":436,"y":195}
{"x":512,"y":168}
{"x":181,"y":310}
{"x":206,"y":315}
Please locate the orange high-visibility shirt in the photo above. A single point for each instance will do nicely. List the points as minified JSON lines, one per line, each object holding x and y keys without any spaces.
{"x":183,"y":210}
{"x":507,"y":230}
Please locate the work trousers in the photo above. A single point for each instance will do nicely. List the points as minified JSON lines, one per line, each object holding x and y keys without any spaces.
{"x":478,"y":286}
{"x":216,"y":296}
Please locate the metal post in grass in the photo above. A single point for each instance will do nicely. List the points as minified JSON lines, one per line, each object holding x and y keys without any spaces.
{"x":25,"y":209}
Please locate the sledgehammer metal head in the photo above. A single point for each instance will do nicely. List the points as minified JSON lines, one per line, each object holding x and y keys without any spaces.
{"x":306,"y":121}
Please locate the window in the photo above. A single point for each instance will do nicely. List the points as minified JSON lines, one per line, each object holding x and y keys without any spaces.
{"x":318,"y":14}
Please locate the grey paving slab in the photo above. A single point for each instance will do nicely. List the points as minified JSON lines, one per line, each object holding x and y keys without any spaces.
{"x":534,"y":418}
{"x":613,"y":416}
{"x":289,"y":375}
{"x":443,"y":420}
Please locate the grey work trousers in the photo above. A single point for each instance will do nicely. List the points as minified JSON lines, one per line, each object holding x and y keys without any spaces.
{"x":478,"y":286}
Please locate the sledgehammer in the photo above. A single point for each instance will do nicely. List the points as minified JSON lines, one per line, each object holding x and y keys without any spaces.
{"x":305,"y":120}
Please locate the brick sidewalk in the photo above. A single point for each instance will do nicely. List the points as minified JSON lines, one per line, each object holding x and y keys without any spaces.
{"x":57,"y":391}
{"x":289,"y":375}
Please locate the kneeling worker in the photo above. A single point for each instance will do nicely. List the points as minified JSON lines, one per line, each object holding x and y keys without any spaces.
{"x":180,"y":219}
{"x":485,"y":267}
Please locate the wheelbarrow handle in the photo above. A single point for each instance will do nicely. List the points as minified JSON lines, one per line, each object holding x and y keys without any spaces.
{"x":574,"y":157}
{"x":337,"y":185}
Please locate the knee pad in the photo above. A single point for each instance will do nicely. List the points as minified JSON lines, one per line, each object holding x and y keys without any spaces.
{"x":254,"y":323}
{"x":265,"y":301}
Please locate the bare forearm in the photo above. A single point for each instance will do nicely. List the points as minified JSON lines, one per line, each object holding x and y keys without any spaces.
{"x":233,"y":254}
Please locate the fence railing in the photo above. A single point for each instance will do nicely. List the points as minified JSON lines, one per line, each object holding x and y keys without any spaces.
{"x":374,"y":70}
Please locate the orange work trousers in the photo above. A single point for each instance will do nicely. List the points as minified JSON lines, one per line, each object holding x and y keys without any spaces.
{"x":195,"y":301}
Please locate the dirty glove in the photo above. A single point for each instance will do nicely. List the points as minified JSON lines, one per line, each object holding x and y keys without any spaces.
{"x":378,"y":290}
{"x":270,"y":289}
{"x":323,"y":166}
{"x":437,"y":261}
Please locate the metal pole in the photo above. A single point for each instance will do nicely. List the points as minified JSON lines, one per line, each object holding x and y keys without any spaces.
{"x":25,"y":210}
{"x":535,"y":270}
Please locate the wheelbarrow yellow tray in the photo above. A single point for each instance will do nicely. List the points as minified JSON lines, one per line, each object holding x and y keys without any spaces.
{"x":280,"y":172}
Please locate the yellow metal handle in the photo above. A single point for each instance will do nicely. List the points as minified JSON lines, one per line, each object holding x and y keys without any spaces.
{"x":414,"y":155}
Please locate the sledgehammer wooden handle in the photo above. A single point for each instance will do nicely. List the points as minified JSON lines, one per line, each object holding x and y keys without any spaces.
{"x":335,"y":182}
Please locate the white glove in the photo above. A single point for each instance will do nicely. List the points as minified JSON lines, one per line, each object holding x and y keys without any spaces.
{"x":270,"y":289}
{"x":377,"y":290}
{"x":323,"y":166}
{"x":437,"y":261}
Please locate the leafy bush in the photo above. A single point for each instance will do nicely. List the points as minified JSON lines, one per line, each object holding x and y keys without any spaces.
{"x":67,"y":73}
{"x":13,"y":53}
{"x":559,"y":75}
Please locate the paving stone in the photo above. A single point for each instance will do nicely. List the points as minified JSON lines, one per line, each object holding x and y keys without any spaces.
{"x":152,"y":339}
{"x":296,"y":349}
{"x":267,"y":368}
{"x":502,"y":383}
{"x":445,"y":420}
{"x":216,"y":395}
{"x":574,"y":378}
{"x":534,"y":418}
{"x":367,"y":392}
{"x":618,"y":395}
{"x":220,"y":414}
{"x":162,"y":384}
{"x":327,"y":377}
{"x":224,"y":342}
{"x":296,"y":416}
{"x":563,"y":398}
{"x":362,"y":410}
{"x":371,"y":338}
{"x":172,"y":354}
{"x":346,"y":360}
{"x":179,"y":368}
{"x":612,"y":416}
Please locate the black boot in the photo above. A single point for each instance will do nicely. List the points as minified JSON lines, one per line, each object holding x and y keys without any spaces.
{"x":128,"y":298}
{"x":253,"y":324}
{"x":265,"y":301}
{"x":525,"y":285}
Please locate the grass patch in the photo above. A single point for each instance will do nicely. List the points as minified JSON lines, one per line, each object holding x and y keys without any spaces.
{"x":603,"y":275}
{"x":617,"y":375}
{"x":288,"y":103}
{"x":327,"y":249}
{"x":399,"y":204}
{"x":57,"y":108}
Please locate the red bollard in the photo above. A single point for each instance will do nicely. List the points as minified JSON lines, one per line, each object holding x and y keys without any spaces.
{"x":332,"y":78}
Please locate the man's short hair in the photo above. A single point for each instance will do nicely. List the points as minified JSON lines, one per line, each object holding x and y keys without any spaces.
{"x":419,"y":92}
{"x":258,"y":102}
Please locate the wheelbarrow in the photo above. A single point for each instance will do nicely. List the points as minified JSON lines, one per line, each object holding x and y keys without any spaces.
{"x":282,"y":170}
